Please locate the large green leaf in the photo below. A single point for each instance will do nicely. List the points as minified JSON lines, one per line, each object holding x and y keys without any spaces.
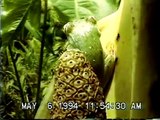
{"x":57,"y":16}
{"x":33,"y":20}
{"x":33,"y":30}
{"x":76,"y":9}
{"x":15,"y":16}
{"x":35,"y":14}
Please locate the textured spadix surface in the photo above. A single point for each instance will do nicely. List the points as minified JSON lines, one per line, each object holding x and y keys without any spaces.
{"x":76,"y":82}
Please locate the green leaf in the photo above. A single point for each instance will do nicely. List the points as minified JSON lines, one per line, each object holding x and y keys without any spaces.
{"x":57,"y":16}
{"x":76,"y":9}
{"x":35,"y":14}
{"x":33,"y":20}
{"x":35,"y":32}
{"x":14,"y":19}
{"x":106,"y":7}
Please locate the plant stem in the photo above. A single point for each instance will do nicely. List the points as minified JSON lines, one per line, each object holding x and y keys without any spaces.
{"x":17,"y":77}
{"x":41,"y":59}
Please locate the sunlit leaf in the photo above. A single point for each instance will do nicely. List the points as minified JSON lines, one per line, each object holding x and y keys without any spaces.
{"x":35,"y":14}
{"x":35,"y":32}
{"x":57,"y":16}
{"x":14,"y":19}
{"x":76,"y":9}
{"x":33,"y":20}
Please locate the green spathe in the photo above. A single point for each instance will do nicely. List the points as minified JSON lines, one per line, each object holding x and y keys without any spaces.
{"x":83,"y":35}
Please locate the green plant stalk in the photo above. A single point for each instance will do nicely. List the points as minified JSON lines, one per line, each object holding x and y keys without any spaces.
{"x":43,"y":112}
{"x":17,"y":77}
{"x":135,"y":72}
{"x":145,"y":63}
{"x":41,"y":59}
